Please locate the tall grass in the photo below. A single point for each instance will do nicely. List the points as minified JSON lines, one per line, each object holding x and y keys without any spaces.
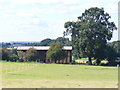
{"x":9,"y":67}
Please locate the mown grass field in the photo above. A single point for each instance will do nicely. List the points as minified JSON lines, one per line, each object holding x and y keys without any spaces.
{"x":37,"y":75}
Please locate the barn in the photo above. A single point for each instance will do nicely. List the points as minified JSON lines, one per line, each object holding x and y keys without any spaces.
{"x":42,"y":50}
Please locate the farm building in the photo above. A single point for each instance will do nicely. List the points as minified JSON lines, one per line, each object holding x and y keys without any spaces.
{"x":42,"y":50}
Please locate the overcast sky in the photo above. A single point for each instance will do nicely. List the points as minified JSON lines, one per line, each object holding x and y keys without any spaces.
{"x":35,"y":20}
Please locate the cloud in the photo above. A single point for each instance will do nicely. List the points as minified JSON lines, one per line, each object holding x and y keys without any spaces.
{"x":35,"y":21}
{"x":23,"y":13}
{"x":41,"y":1}
{"x":4,"y":9}
{"x":27,"y":22}
{"x":41,"y":17}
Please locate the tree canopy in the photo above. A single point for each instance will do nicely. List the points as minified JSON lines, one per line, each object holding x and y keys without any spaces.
{"x":55,"y":52}
{"x":116,"y":46}
{"x":48,"y":41}
{"x":31,"y":55}
{"x":90,"y":33}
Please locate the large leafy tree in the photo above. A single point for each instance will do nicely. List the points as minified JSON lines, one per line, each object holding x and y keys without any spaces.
{"x":90,"y":33}
{"x":31,"y":55}
{"x":55,"y":52}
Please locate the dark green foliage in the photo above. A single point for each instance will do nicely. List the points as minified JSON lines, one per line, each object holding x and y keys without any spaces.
{"x":13,"y":51}
{"x":6,"y":45}
{"x":13,"y":58}
{"x":100,"y":53}
{"x":20,"y":55}
{"x":5,"y":54}
{"x":111,"y":55}
{"x":90,"y":33}
{"x":9,"y":54}
{"x":46,"y":42}
{"x":64,"y":41}
{"x":116,"y":46}
{"x":55,"y":52}
{"x":31,"y":55}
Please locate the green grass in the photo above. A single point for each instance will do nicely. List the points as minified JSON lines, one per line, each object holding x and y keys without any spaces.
{"x":57,"y":75}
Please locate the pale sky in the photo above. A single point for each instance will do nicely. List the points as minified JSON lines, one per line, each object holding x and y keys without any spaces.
{"x":35,"y":20}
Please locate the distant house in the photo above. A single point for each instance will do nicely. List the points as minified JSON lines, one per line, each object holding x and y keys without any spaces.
{"x":42,"y":50}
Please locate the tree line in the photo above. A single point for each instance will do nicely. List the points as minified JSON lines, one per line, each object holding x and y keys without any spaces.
{"x":44,"y":42}
{"x":55,"y":53}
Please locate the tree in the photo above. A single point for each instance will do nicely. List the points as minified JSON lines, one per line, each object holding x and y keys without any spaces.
{"x":111,"y":55}
{"x":9,"y":54}
{"x":31,"y":55}
{"x":55,"y":52}
{"x":116,"y":46}
{"x":90,"y":33}
{"x":46,"y":42}
{"x":20,"y":55}
{"x":13,"y":55}
{"x":13,"y":58}
{"x":64,"y":41}
{"x":5,"y":54}
{"x":6,"y":45}
{"x":13,"y":51}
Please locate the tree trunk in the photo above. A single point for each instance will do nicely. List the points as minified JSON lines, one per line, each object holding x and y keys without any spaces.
{"x":55,"y":61}
{"x":90,"y":60}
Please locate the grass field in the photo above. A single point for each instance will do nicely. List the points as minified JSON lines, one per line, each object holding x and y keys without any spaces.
{"x":37,"y":75}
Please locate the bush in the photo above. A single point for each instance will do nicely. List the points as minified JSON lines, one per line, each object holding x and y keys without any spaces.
{"x":32,"y":55}
{"x":5,"y":54}
{"x":13,"y":58}
{"x":20,"y":60}
{"x":55,"y":52}
{"x":112,"y":63}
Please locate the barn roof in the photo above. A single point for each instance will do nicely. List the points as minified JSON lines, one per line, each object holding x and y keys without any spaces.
{"x":41,"y":47}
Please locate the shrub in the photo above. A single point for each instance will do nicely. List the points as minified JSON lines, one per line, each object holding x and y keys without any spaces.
{"x":55,"y":52}
{"x":31,"y":55}
{"x":5,"y":54}
{"x":13,"y":58}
